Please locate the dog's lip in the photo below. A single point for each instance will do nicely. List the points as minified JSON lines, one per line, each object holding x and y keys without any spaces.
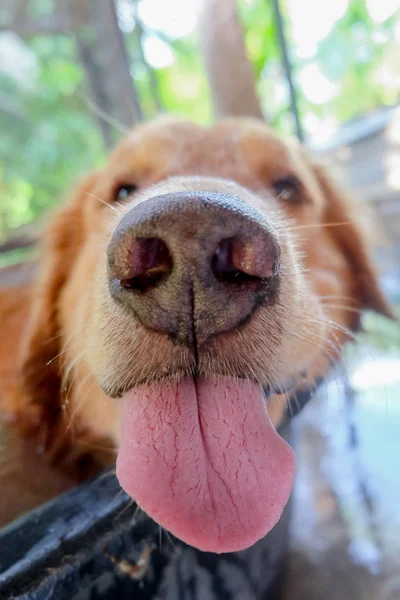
{"x":176,"y":375}
{"x":287,"y":385}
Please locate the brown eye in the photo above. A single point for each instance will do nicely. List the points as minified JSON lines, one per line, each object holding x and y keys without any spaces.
{"x":124,"y":191}
{"x":288,"y":190}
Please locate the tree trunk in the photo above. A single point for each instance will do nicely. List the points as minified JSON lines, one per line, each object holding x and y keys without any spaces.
{"x":101,"y":50}
{"x":103,"y":55}
{"x":230,"y":75}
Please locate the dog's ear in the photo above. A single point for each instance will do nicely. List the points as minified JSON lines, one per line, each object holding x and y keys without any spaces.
{"x":40,"y":373}
{"x":352,"y":241}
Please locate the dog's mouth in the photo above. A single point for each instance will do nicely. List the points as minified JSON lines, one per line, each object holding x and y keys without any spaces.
{"x":201,"y":457}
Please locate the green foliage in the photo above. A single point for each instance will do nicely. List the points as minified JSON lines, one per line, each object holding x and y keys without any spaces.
{"x":183,"y":86}
{"x":356,"y":56}
{"x":260,"y":33}
{"x":49,"y":136}
{"x":349,"y":57}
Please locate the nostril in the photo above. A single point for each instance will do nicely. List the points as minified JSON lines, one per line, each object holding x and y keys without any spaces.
{"x":146,"y":264}
{"x":241,"y":259}
{"x":256,"y":257}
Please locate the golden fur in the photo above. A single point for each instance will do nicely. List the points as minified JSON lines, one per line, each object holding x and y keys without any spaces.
{"x":66,"y":346}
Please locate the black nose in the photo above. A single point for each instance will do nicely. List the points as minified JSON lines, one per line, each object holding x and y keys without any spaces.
{"x":193,"y":264}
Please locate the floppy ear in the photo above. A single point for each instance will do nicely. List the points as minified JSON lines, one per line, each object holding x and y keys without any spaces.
{"x":40,"y":374}
{"x":351,"y":240}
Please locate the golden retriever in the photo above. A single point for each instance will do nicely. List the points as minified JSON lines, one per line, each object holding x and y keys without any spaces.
{"x":201,"y":275}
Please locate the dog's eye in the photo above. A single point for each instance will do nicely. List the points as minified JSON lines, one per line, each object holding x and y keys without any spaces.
{"x":124,"y":191}
{"x":288,"y":190}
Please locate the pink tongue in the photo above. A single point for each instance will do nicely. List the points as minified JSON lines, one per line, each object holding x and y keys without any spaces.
{"x":203,"y":460}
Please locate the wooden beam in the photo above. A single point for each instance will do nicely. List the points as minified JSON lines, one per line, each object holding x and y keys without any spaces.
{"x":17,"y":274}
{"x":17,"y":242}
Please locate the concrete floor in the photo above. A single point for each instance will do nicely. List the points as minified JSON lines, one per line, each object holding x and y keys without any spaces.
{"x":345,"y":536}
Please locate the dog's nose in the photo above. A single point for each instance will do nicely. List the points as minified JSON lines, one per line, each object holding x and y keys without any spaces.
{"x":193,"y":264}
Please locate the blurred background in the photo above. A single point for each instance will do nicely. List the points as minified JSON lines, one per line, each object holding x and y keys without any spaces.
{"x":76,"y":74}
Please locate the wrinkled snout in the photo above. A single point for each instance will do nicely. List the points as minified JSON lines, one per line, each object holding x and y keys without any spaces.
{"x":193,"y":264}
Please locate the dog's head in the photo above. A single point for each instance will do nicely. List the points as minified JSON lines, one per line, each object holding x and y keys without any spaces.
{"x":197,"y":269}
